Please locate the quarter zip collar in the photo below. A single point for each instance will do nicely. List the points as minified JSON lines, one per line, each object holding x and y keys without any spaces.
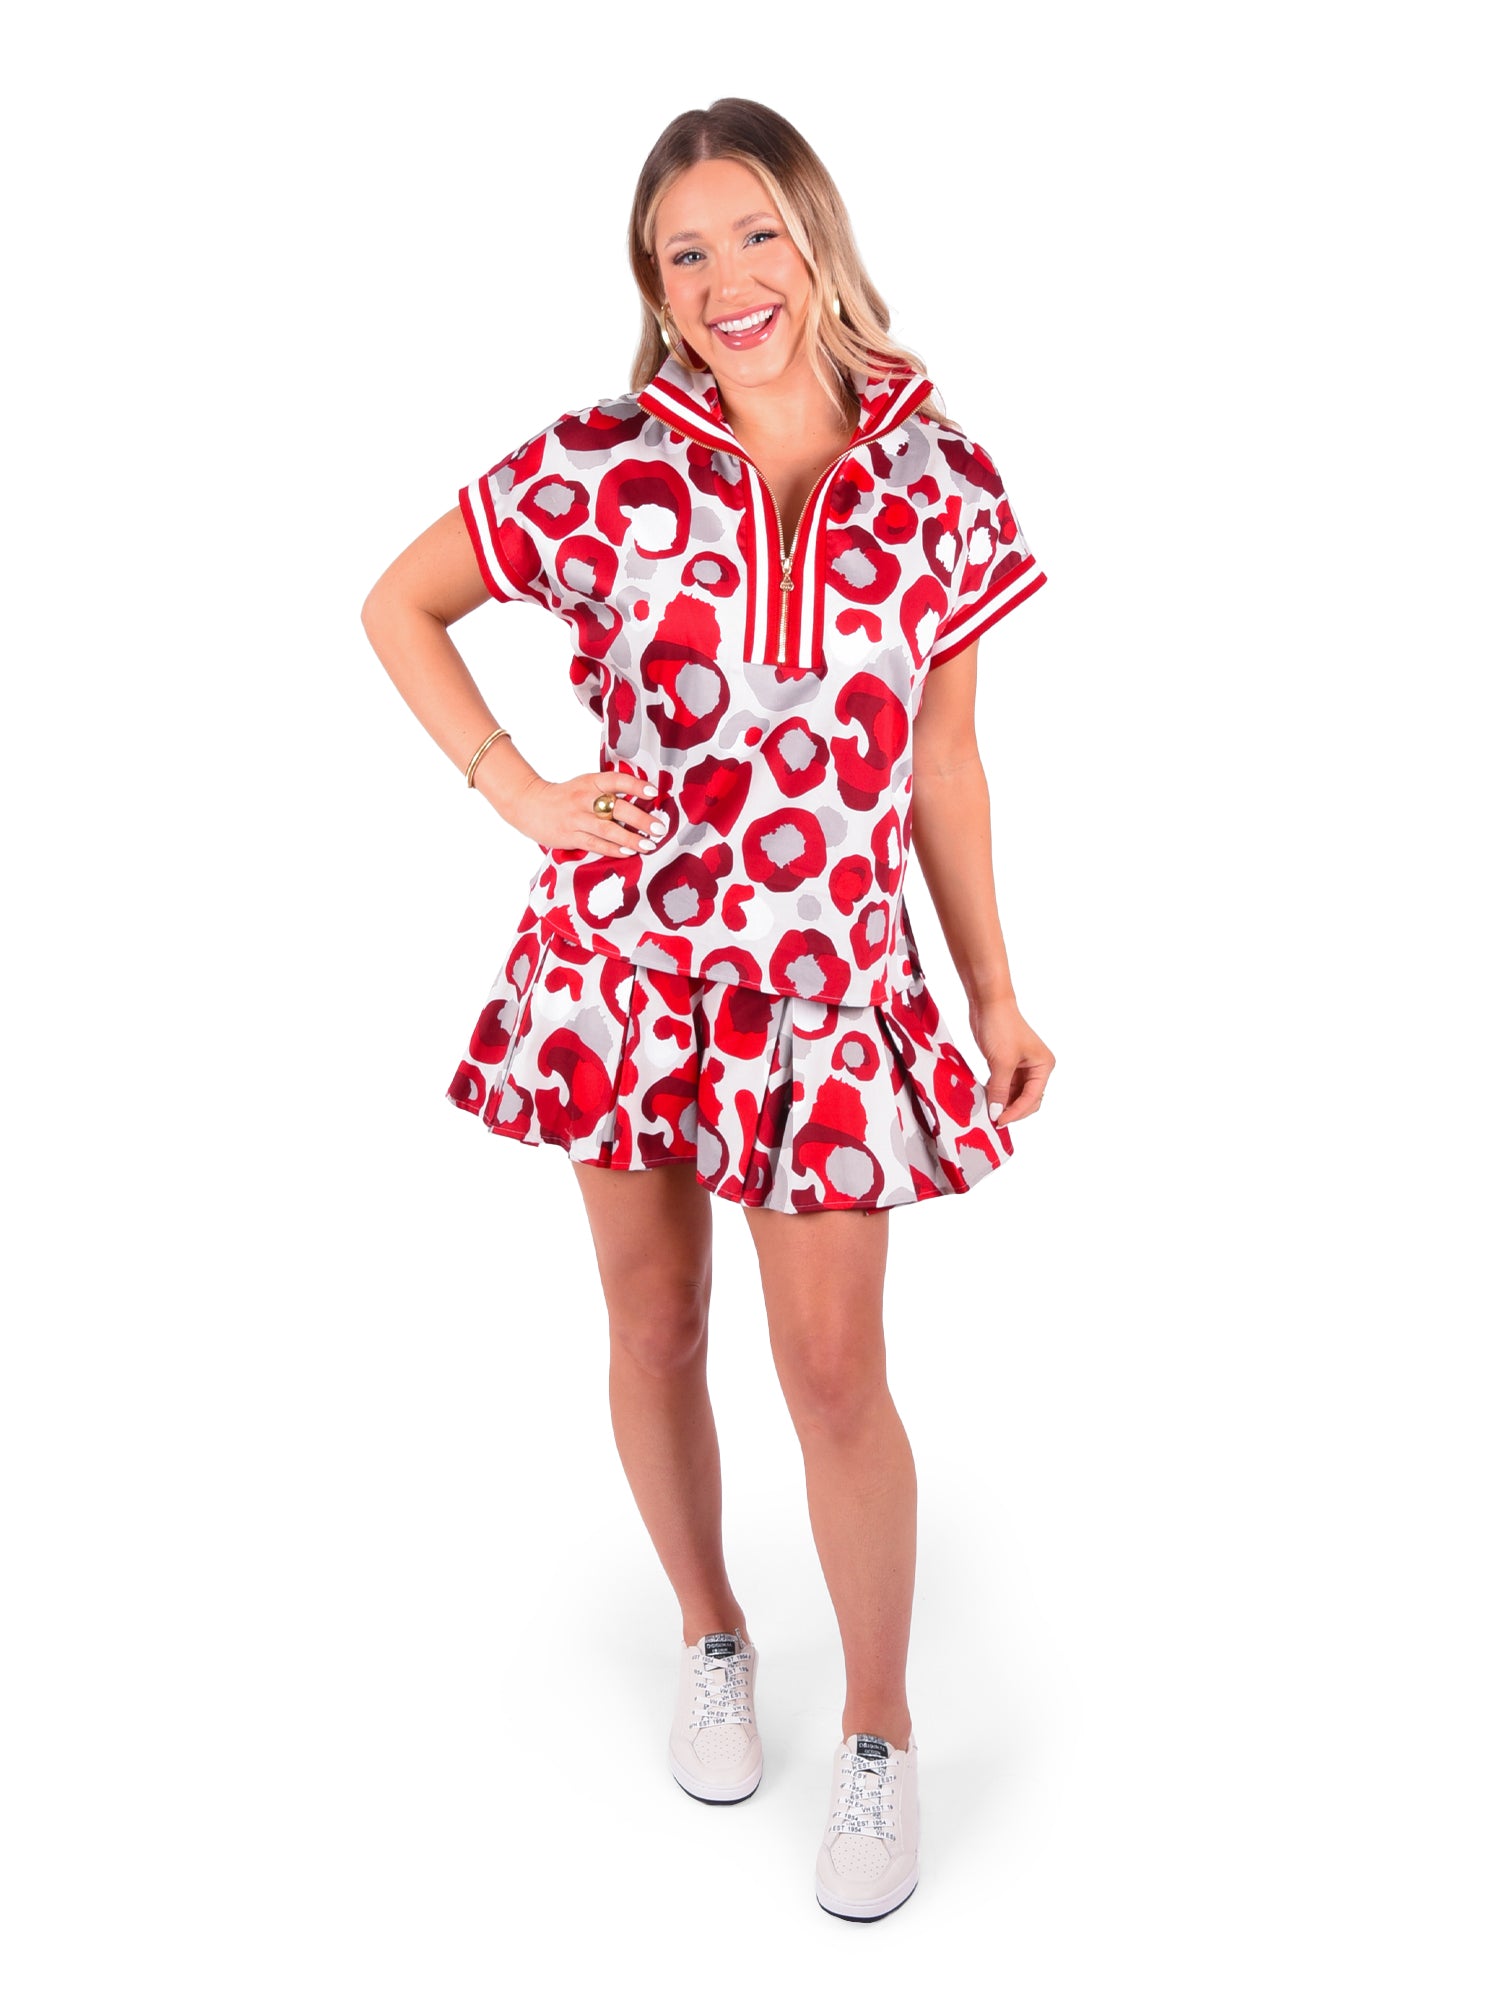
{"x":784,"y":609}
{"x":688,"y":399}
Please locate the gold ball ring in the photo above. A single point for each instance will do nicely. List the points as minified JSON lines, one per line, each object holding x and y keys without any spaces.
{"x":604,"y":805}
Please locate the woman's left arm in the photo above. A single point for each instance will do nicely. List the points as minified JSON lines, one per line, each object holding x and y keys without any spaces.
{"x":952,"y":841}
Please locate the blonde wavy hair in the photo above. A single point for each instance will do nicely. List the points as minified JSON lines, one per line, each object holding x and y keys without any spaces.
{"x":853,"y":339}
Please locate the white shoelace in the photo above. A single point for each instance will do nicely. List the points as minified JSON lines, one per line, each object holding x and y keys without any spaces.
{"x":721,"y":1689}
{"x":867,"y":1798}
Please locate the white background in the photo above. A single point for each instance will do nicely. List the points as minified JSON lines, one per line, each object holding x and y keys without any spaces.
{"x":337,"y":1660}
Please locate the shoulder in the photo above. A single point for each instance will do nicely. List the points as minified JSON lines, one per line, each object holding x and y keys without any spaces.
{"x":587,"y":434}
{"x":970,"y":468}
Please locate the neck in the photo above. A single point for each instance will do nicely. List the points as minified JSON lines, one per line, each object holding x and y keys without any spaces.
{"x":792,"y":409}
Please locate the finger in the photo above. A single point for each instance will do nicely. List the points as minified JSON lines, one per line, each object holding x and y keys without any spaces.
{"x":645,"y":819}
{"x":1019,"y":1103}
{"x":616,"y":836}
{"x":628,"y":783}
{"x":591,"y":843}
{"x":648,"y":818}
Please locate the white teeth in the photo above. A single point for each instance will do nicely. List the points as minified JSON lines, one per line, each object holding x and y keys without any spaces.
{"x":744,"y":325}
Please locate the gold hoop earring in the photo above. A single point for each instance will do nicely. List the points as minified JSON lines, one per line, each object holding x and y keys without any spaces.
{"x":838,"y":310}
{"x":681,"y":353}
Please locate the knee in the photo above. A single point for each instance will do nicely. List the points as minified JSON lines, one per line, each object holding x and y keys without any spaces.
{"x":661,"y":1332}
{"x":833,"y":1378}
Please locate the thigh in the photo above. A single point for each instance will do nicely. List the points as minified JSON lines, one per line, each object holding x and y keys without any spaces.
{"x":823,"y":1276}
{"x":653,"y":1239}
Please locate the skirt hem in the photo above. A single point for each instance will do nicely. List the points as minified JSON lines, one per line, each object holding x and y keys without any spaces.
{"x":777,"y":1101}
{"x":904,"y":1200}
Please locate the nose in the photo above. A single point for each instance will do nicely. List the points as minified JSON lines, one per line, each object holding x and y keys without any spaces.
{"x":734,"y":285}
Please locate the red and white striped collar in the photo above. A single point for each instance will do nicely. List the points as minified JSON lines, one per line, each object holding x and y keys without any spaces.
{"x":688,"y":399}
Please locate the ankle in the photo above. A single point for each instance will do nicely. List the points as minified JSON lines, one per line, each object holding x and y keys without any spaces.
{"x":721,"y":1620}
{"x":870,"y":1719}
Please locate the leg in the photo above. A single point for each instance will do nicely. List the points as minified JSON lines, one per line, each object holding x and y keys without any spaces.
{"x":823,"y":1276}
{"x":653,"y":1239}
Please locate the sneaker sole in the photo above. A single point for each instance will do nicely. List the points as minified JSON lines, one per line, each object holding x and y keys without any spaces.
{"x":855,"y":1915}
{"x":710,"y":1798}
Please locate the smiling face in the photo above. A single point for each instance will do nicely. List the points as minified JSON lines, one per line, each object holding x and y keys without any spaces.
{"x":738,"y":288}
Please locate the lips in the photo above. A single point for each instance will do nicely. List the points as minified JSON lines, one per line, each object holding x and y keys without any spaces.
{"x":751,"y":336}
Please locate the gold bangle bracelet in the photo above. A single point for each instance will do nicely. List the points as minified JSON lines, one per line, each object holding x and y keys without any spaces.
{"x":493,"y":737}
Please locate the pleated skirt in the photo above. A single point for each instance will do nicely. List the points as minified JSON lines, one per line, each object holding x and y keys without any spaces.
{"x":776,"y":1101}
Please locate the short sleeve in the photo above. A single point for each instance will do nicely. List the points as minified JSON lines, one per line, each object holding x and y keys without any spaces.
{"x":506,"y":513}
{"x":996,"y":570}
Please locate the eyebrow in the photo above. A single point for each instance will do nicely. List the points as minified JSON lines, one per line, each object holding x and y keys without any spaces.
{"x":695,"y":236}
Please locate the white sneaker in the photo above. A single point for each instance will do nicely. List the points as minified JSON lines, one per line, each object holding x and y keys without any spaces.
{"x":714,"y":1745}
{"x":867,"y":1865}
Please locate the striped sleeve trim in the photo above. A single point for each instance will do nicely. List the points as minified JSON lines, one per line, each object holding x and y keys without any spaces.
{"x":1008,"y":590}
{"x":477,"y":505}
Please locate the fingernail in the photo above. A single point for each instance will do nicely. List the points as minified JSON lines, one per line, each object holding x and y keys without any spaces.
{"x":647,"y":846}
{"x":658,"y":825}
{"x":996,"y":1109}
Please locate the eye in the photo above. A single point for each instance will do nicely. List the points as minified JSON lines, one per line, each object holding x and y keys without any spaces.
{"x":683,"y":255}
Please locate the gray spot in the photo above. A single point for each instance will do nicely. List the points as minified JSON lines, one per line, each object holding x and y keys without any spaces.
{"x":856,"y":568}
{"x":699,"y":687}
{"x":706,"y":525}
{"x":653,"y":956}
{"x":617,"y":654}
{"x":911,"y":449}
{"x":893,"y":667}
{"x":835,"y":826}
{"x":780,"y":698}
{"x":809,"y":908}
{"x":850,"y":1172}
{"x":806,"y":975}
{"x":680,"y":905}
{"x":783,"y":845}
{"x":629,"y":736}
{"x":577,"y":575}
{"x":732,"y":729}
{"x":798,"y":750}
{"x":554,"y":498}
{"x":589,"y":1024}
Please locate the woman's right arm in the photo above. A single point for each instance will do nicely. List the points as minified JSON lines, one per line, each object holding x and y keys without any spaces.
{"x":430,"y":586}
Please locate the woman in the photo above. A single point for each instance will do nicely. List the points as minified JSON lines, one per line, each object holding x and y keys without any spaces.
{"x":775,"y":557}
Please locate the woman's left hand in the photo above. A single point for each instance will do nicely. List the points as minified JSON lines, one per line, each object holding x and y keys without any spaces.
{"x":1020,"y":1061}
